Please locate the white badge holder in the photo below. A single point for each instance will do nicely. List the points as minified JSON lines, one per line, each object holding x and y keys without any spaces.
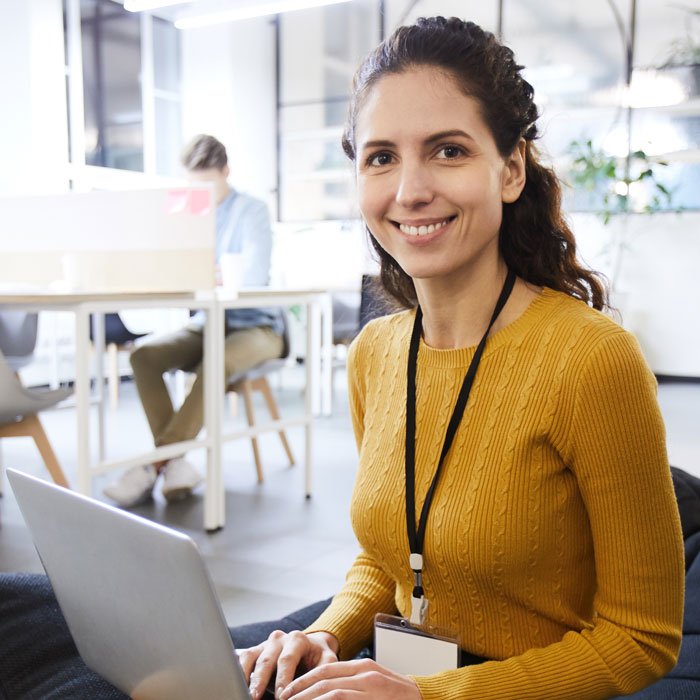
{"x":416,"y":650}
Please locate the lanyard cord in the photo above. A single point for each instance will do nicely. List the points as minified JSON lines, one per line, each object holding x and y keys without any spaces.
{"x":416,"y":536}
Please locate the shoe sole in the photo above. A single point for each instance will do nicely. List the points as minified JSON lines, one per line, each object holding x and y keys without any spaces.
{"x":177,"y":494}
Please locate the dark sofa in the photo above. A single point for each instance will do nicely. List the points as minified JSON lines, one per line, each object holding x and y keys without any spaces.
{"x":64,"y":675}
{"x":683,"y":682}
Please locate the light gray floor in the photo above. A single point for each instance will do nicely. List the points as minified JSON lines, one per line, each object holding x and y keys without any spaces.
{"x":278,"y":551}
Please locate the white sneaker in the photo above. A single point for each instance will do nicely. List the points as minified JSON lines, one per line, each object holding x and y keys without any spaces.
{"x":179,"y":480}
{"x":134,"y":487}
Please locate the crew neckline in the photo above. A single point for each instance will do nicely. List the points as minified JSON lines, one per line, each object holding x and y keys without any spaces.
{"x":458,"y":357}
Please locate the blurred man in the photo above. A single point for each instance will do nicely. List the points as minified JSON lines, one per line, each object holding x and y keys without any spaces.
{"x":252,"y":335}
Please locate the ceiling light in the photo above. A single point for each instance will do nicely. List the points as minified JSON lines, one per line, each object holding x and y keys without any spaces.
{"x":252,"y":9}
{"x":141,"y":5}
{"x":655,"y":88}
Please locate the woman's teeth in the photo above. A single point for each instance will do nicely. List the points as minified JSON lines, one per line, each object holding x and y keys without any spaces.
{"x":422,"y":230}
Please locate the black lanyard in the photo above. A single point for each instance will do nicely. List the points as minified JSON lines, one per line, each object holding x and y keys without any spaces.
{"x":416,"y":536}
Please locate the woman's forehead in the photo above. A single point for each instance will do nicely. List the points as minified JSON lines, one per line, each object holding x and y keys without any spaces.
{"x":421,"y":100}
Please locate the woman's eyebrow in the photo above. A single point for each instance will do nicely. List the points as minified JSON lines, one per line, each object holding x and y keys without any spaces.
{"x":379,"y":143}
{"x":450,"y":133}
{"x":433,"y":138}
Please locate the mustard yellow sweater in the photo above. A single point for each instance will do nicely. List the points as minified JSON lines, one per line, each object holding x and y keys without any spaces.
{"x":553,"y":545}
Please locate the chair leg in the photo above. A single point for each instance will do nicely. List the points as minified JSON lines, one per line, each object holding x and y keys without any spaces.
{"x":232,"y":403}
{"x":113,"y":375}
{"x":250,"y":413}
{"x":36,"y":430}
{"x":264,"y":387}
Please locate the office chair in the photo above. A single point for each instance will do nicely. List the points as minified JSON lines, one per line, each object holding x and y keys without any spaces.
{"x":19,"y":406}
{"x":117,"y":338}
{"x":18,"y":332}
{"x":255,"y":379}
{"x":374,"y":301}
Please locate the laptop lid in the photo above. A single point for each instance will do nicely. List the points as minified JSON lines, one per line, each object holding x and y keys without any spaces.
{"x":137,"y":597}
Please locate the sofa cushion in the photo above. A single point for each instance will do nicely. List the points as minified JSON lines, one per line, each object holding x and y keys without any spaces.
{"x":683,"y":682}
{"x":42,"y":666}
{"x":687,"y":489}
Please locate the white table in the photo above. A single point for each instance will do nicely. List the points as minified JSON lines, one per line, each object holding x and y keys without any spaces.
{"x":214,"y":302}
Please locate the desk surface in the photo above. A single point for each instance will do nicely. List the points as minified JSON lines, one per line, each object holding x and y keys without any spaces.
{"x":51,"y":297}
{"x":48,"y":296}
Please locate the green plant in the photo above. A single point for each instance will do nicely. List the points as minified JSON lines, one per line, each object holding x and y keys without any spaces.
{"x":613,"y":178}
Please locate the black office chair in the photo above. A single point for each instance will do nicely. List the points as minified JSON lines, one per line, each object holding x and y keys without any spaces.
{"x":117,"y":338}
{"x":374,"y":301}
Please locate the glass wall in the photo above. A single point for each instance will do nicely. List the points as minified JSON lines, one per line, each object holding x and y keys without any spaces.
{"x":622,"y":74}
{"x":129,"y":80}
{"x":319,"y":51}
{"x":111,"y":42}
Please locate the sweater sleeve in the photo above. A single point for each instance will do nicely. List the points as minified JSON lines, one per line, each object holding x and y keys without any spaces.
{"x":616,"y":450}
{"x":368,"y":588}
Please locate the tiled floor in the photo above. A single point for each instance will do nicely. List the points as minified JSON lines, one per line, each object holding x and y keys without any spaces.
{"x":278,"y":551}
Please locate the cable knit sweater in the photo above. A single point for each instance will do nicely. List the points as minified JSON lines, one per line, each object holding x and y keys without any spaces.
{"x":553,"y":545}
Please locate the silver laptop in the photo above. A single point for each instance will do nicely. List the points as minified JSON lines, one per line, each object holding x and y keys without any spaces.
{"x":137,"y":596}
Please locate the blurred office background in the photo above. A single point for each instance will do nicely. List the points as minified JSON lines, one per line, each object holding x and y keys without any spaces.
{"x":98,"y":97}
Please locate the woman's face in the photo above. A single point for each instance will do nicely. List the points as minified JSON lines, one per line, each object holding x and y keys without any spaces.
{"x":431,"y":183}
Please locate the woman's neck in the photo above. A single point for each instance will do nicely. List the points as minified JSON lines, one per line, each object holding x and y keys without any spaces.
{"x":457,"y":315}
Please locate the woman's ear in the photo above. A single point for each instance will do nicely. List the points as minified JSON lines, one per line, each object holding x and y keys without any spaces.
{"x":514,"y":173}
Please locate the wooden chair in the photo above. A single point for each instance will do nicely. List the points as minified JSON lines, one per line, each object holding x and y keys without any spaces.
{"x":255,"y":379}
{"x":18,"y":416}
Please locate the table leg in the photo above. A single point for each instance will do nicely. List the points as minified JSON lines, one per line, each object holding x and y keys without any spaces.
{"x":312,"y":388}
{"x":82,"y":398}
{"x":326,"y":307}
{"x":214,"y":495}
{"x":98,"y":335}
{"x":313,"y":355}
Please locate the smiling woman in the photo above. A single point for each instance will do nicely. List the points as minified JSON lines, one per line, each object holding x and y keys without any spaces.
{"x":432,"y":195}
{"x":513,"y":500}
{"x":508,"y":433}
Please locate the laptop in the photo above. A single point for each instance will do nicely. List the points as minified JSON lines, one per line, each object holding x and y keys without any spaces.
{"x":137,"y":596}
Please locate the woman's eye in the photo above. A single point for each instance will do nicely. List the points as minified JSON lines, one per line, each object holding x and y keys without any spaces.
{"x":450,"y":152}
{"x":380,"y":159}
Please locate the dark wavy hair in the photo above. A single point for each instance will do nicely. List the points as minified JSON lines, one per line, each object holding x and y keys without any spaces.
{"x":534,"y":239}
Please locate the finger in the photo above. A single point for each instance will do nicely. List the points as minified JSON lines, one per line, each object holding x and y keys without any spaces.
{"x":296,"y":647}
{"x":322,"y":674}
{"x":346,"y":687}
{"x":265,"y":664}
{"x":335,"y":694}
{"x":247,"y":659}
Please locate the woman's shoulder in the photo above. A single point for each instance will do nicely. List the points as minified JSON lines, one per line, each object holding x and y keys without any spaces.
{"x":572,"y":315}
{"x":386,"y":333}
{"x":591,"y":336}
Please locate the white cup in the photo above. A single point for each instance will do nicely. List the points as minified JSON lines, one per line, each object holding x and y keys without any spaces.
{"x":70,"y":266}
{"x":231,"y":267}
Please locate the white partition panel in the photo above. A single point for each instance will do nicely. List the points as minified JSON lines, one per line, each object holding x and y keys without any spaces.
{"x":656,"y":287}
{"x":147,"y":240}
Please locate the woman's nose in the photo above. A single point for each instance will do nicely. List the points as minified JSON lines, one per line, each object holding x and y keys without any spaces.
{"x":415,"y":186}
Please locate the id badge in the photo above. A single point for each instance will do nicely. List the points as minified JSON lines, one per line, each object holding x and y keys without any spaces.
{"x":411,"y":649}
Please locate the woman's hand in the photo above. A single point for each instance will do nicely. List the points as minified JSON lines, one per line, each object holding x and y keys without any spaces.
{"x":354,"y":680}
{"x":282,"y":654}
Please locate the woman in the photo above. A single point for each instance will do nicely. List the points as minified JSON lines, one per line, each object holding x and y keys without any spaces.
{"x":551,"y":539}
